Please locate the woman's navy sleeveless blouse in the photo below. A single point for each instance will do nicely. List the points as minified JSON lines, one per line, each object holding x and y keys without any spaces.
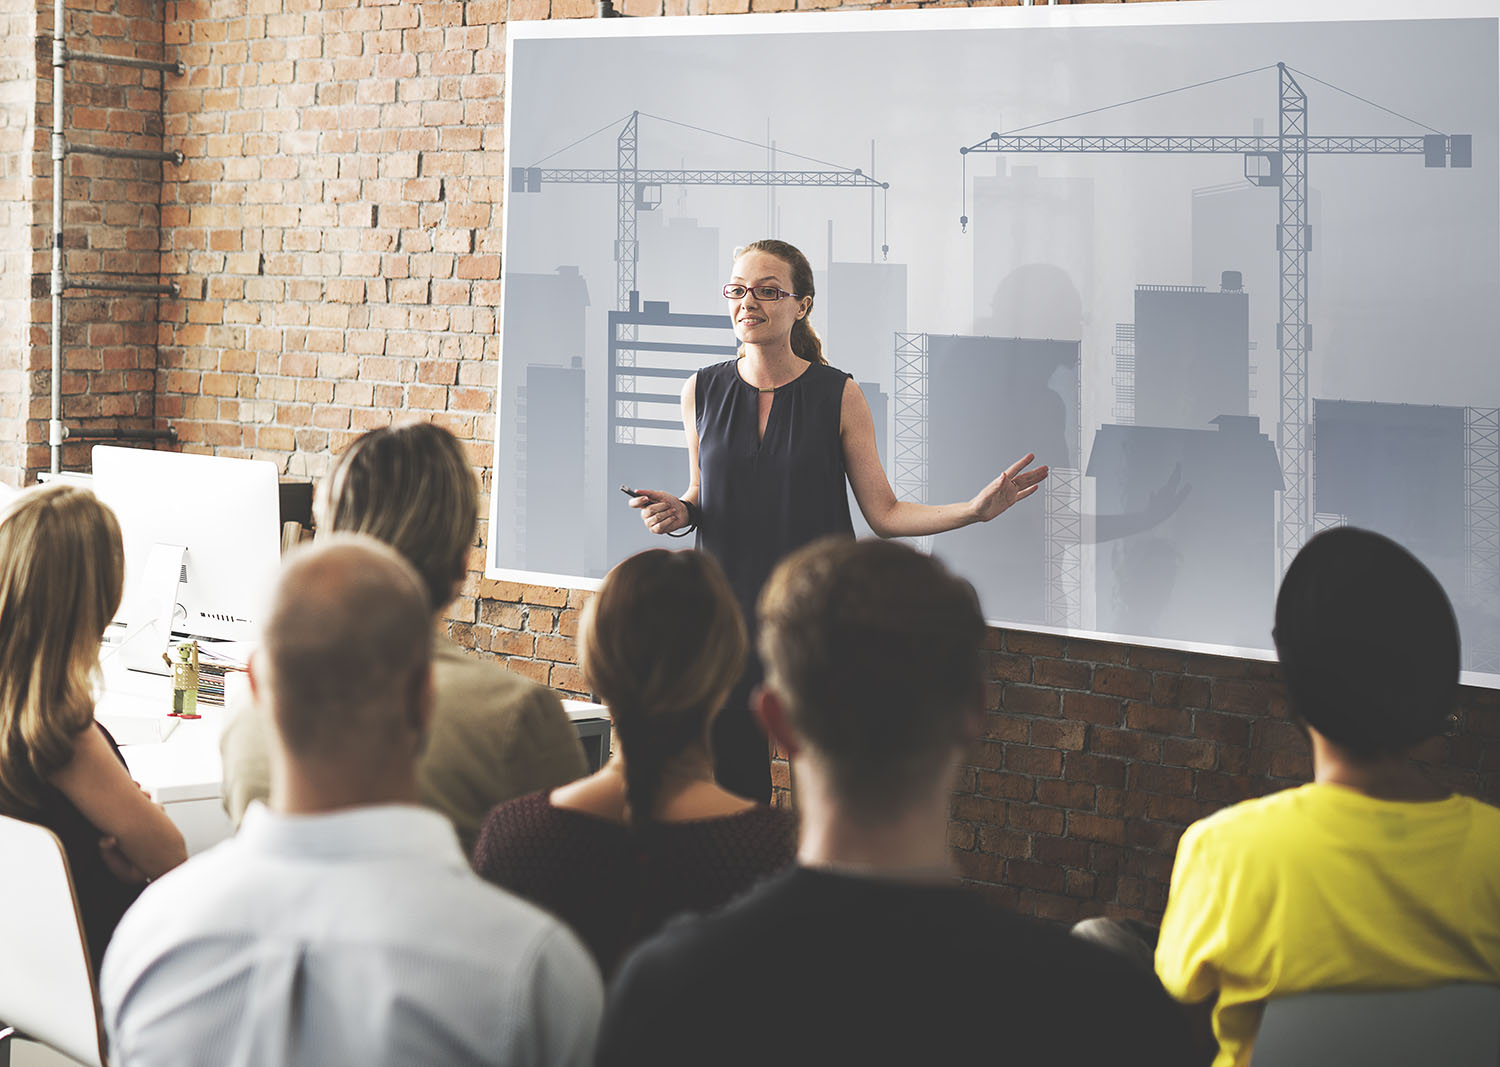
{"x":764,"y":498}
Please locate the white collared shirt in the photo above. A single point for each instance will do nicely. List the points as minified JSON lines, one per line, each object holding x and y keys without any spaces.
{"x":359,"y":937}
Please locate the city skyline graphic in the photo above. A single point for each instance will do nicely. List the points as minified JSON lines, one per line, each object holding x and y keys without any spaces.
{"x":1234,"y":280}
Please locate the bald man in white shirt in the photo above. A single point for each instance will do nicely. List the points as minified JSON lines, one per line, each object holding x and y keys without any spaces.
{"x":343,"y":924}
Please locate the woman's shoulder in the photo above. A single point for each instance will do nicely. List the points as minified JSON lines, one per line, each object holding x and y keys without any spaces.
{"x":715,"y":378}
{"x":530,"y":822}
{"x":827,"y":379}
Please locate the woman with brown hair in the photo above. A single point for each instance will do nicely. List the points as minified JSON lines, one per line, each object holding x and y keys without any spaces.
{"x":651,"y":834}
{"x":494,"y":735}
{"x":772,"y":435}
{"x":61,"y":573}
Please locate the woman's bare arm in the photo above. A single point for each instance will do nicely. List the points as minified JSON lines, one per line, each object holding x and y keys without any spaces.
{"x":890,"y":517}
{"x":100,"y":788}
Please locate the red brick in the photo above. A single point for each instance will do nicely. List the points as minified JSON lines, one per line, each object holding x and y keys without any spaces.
{"x":1046,"y":733}
{"x":1095,"y":651}
{"x":1062,"y":673}
{"x":1002,"y":842}
{"x":1036,"y":818}
{"x":1078,"y":796}
{"x":1246,"y":697}
{"x":1157,"y":719}
{"x":1003,"y":727}
{"x":961,"y":835}
{"x":1212,"y":726}
{"x":1097,"y":770}
{"x":1028,"y":700}
{"x":1089,"y":707}
{"x":978,"y":810}
{"x":1127,"y":743}
{"x":1046,"y":762}
{"x":1199,"y":754}
{"x":1035,"y":644}
{"x":999,"y":784}
{"x":1152,"y":778}
{"x":1096,"y":828}
{"x":1011,"y":668}
{"x":1122,"y":682}
{"x":558,"y":649}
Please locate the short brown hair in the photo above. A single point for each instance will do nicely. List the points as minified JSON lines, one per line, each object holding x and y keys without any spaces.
{"x":347,"y":640}
{"x":875,"y":650}
{"x":411,"y":487}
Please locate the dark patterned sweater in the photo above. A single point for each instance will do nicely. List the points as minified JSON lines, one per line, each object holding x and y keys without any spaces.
{"x":614,"y":888}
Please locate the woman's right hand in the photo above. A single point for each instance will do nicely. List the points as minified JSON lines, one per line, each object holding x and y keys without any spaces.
{"x":662,"y":512}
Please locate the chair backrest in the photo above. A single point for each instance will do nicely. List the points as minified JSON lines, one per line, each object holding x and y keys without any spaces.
{"x":46,"y":984}
{"x":1442,"y":1026}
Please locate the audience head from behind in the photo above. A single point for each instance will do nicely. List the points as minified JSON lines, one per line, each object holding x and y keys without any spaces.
{"x":412,"y":488}
{"x":873,"y":672}
{"x":651,"y":834}
{"x":344,"y":669}
{"x":61,"y":573}
{"x":1368,"y":644}
{"x":662,"y":644}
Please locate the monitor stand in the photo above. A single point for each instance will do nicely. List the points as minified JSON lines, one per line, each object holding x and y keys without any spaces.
{"x":144,"y":645}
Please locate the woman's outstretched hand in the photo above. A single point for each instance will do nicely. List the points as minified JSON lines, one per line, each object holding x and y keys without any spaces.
{"x":1017,"y":483}
{"x":662,"y":512}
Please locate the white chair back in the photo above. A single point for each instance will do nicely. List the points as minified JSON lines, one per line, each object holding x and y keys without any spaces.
{"x":1443,"y":1026}
{"x":46,"y":984}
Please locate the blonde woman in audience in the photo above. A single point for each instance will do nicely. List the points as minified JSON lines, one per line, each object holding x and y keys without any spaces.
{"x":494,"y":735}
{"x":651,"y":834}
{"x":61,"y":574}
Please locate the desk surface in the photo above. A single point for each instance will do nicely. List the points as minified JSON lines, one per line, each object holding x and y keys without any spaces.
{"x":185,"y":766}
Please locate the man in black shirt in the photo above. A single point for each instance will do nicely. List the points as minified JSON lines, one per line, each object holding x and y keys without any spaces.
{"x":869,"y":951}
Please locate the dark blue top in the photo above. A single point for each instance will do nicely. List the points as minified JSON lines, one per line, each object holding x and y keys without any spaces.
{"x":764,"y":498}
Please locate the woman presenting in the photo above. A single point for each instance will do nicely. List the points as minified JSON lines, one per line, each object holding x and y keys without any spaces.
{"x":771,"y":436}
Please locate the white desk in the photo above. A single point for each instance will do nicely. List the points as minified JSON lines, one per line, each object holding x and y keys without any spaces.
{"x":184,"y":773}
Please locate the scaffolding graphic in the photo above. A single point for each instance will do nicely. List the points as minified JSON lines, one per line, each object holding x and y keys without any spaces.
{"x":518,"y":505}
{"x":1124,"y":379}
{"x":1482,"y":535}
{"x":1062,"y":501}
{"x":910,"y":462}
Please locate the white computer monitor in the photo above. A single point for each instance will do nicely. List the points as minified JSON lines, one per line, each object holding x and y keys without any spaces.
{"x":215,"y":521}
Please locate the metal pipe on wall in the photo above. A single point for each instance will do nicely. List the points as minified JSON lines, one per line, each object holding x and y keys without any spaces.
{"x":174,"y":156}
{"x":59,"y":65}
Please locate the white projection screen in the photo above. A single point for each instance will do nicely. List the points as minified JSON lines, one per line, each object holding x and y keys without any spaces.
{"x":1232,"y":270}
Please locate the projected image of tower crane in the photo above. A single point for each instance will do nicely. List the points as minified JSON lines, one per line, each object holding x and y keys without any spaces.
{"x":1279,"y":162}
{"x":639,"y":189}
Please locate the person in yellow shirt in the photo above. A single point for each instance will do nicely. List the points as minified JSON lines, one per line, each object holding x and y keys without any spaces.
{"x":1371,"y":876}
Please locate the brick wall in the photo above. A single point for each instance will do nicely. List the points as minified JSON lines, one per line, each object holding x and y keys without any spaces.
{"x":1095,"y":757}
{"x":110,"y":224}
{"x":17,"y":94}
{"x":336,"y":228}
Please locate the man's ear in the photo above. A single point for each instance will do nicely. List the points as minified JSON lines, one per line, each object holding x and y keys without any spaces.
{"x":257,"y":684}
{"x":771,"y":712}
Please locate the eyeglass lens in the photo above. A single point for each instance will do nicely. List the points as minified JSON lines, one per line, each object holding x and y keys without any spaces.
{"x":761,"y":292}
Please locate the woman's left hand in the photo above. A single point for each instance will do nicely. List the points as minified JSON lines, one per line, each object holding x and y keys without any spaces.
{"x":1017,"y":483}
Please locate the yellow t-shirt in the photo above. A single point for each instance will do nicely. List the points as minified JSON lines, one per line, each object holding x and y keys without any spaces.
{"x":1322,"y":887}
